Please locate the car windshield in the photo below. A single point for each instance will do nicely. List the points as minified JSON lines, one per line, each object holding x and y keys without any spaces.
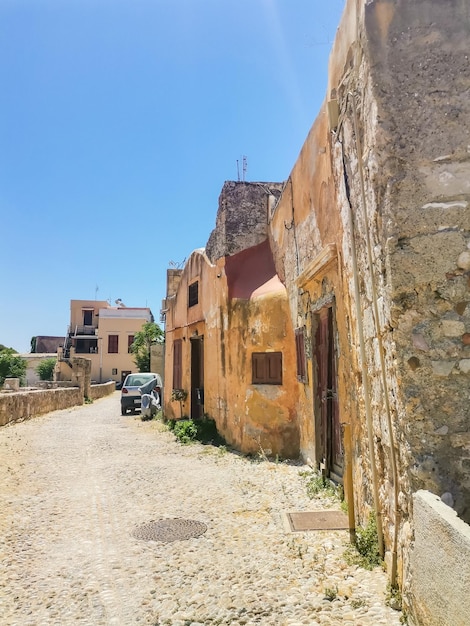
{"x":137,"y":380}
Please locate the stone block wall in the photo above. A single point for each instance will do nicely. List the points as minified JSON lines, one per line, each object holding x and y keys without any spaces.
{"x":242,"y":217}
{"x":437,"y":592}
{"x":23,"y":405}
{"x":100,"y":391}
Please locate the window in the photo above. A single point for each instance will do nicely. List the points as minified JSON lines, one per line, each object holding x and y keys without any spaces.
{"x":87,"y":318}
{"x":193,"y":294}
{"x":300,"y":351}
{"x":114,"y":371}
{"x":177,"y":364}
{"x":266,"y":368}
{"x":113,"y":344}
{"x":130,"y":341}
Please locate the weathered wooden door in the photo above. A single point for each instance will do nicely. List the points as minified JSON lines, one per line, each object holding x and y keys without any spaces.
{"x":329,"y":446}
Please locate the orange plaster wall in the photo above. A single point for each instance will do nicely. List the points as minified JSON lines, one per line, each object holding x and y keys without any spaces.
{"x":250,"y":417}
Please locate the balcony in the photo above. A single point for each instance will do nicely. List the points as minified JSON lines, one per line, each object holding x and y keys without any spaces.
{"x":83,"y":331}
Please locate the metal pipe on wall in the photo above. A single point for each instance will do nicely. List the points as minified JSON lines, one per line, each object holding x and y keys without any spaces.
{"x":378,"y":336}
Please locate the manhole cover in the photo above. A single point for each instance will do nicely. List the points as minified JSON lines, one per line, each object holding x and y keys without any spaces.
{"x":169,"y":530}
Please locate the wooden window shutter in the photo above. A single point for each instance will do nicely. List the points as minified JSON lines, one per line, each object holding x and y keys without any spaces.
{"x":177,"y":364}
{"x":300,"y":352}
{"x":266,"y":368}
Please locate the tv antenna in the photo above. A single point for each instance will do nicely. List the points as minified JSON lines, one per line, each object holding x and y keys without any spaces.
{"x":177,"y":264}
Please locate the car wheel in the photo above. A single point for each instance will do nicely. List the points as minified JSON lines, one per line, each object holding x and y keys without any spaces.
{"x":123,"y":410}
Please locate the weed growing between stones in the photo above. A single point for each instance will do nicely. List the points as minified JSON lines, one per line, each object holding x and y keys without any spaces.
{"x":317,"y":484}
{"x":365,"y":553}
{"x":331,"y":593}
{"x":393,"y":598}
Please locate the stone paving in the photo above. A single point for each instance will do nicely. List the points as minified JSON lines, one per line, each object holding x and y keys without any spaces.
{"x":75,"y":485}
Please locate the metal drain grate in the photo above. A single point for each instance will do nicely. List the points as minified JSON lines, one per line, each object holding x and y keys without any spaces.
{"x":168,"y":530}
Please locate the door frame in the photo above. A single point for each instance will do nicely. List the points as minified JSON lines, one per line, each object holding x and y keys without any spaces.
{"x":329,"y":437}
{"x":197,"y":377}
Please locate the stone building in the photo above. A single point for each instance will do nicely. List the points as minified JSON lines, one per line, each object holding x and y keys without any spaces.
{"x":229,"y":340}
{"x":370,"y":240}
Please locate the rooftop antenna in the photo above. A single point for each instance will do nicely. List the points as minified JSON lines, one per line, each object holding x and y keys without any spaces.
{"x":96,"y":291}
{"x":238,"y":171}
{"x":177,"y":264}
{"x":244,"y":167}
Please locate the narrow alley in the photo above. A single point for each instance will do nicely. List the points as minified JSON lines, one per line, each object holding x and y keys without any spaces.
{"x":78,"y":484}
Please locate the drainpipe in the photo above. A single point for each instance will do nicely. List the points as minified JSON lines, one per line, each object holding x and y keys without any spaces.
{"x":365,"y":382}
{"x":375,"y":308}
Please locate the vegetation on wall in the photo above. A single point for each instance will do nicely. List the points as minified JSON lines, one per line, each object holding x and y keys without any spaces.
{"x":179,"y":395}
{"x":144,"y":339}
{"x":45,"y":369}
{"x":11,"y":365}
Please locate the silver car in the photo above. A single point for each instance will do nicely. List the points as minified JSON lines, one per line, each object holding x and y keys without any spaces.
{"x":130,"y":394}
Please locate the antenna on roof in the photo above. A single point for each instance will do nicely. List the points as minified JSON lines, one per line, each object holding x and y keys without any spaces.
{"x":238,"y":172}
{"x":177,"y":264}
{"x":245,"y":166}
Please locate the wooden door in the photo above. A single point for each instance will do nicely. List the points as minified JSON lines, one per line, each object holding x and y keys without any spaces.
{"x":329,"y":444}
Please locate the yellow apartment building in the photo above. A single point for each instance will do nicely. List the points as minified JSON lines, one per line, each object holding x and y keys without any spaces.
{"x":104,"y":334}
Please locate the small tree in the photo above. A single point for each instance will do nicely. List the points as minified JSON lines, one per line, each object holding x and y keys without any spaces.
{"x":11,"y":365}
{"x":179,"y":395}
{"x":150,"y":334}
{"x":45,"y":369}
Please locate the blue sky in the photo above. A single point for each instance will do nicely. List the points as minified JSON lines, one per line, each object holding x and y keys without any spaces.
{"x":120,"y":121}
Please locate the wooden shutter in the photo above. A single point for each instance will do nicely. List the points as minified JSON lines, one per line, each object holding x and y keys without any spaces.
{"x":266,"y":368}
{"x":177,"y":364}
{"x":113,"y":344}
{"x":300,"y":352}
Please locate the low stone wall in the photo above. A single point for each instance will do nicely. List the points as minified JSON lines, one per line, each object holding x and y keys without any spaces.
{"x":22,"y":405}
{"x":439,"y":564}
{"x":102,"y":390}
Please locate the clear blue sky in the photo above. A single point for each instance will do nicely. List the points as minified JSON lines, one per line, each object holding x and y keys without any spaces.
{"x":120,"y":120}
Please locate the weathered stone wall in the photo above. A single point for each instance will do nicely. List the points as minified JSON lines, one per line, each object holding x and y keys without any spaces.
{"x":241,"y":218}
{"x":21,"y":405}
{"x":440,"y":564}
{"x":418,"y":165}
{"x":102,"y":390}
{"x":385,"y":183}
{"x":26,"y":404}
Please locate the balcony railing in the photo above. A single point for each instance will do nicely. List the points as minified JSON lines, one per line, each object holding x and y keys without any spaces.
{"x":83,"y":330}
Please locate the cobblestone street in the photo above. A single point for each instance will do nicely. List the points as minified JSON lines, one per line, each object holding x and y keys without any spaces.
{"x":76,"y":483}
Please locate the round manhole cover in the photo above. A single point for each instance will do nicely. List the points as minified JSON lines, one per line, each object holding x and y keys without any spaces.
{"x":169,"y":530}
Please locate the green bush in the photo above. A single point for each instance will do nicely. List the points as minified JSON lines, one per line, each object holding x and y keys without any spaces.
{"x":45,"y":369}
{"x":11,"y":365}
{"x":203,"y":430}
{"x":185,"y":431}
